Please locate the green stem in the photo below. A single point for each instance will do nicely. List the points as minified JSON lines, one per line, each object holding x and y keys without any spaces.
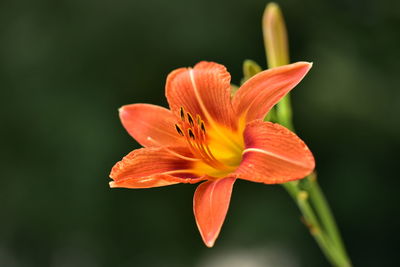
{"x":334,"y":256}
{"x":284,"y":112}
{"x":318,"y":217}
{"x":325,"y":213}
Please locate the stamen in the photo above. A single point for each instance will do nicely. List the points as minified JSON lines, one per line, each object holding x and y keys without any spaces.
{"x":194,"y":131}
{"x":190,"y":132}
{"x":178,"y":171}
{"x":203,"y":127}
{"x":190,"y":119}
{"x":182,"y":113}
{"x":178,"y":129}
{"x":171,"y":151}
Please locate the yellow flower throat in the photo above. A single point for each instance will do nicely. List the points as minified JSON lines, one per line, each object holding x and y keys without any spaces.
{"x":218,"y":149}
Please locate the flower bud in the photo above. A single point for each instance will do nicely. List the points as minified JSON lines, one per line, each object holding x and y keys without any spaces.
{"x":275,"y":36}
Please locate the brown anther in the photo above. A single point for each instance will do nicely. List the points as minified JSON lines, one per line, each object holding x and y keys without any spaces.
{"x":191,"y":134}
{"x":203,"y":127}
{"x":193,"y":129}
{"x":178,"y":129}
{"x":190,"y":119}
{"x":182,"y":113}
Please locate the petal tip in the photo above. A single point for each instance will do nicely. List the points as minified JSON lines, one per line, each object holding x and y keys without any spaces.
{"x":303,"y":67}
{"x":208,"y":239}
{"x":304,"y":63}
{"x":123,"y":112}
{"x":209,"y":243}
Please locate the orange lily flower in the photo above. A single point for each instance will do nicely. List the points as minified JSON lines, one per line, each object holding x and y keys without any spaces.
{"x":207,"y":135}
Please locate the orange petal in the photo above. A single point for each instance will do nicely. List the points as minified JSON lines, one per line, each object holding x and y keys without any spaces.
{"x":273,"y":154}
{"x":145,"y":182}
{"x":260,"y":93}
{"x":150,"y":125}
{"x":152,"y":167}
{"x":204,"y":90}
{"x":210,"y":205}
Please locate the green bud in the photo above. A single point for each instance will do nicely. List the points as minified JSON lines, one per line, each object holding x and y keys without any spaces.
{"x":275,"y":36}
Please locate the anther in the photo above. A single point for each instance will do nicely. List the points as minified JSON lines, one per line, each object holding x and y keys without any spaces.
{"x":182,"y":113}
{"x":203,"y":127}
{"x":190,"y":119}
{"x":191,"y":134}
{"x":179,"y":130}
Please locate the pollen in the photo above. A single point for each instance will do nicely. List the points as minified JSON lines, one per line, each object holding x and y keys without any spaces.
{"x":191,"y":135}
{"x":190,"y":119}
{"x":182,"y":113}
{"x":178,"y":129}
{"x":203,"y":127}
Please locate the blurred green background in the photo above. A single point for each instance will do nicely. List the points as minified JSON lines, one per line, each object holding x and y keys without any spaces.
{"x":66,"y":67}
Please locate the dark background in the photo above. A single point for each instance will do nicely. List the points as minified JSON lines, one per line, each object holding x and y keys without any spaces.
{"x":66,"y":67}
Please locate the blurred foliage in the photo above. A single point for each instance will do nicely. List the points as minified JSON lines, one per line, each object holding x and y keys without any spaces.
{"x":67,"y":65}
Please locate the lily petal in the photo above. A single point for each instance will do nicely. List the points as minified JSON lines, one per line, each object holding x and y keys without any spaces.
{"x":203,"y":90}
{"x":145,"y":182}
{"x":273,"y":154}
{"x":150,"y":125}
{"x":210,"y":205}
{"x":152,"y":167}
{"x":260,"y":93}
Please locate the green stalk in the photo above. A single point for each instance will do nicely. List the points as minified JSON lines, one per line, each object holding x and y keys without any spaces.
{"x":318,"y":217}
{"x":301,"y":197}
{"x":325,"y":213}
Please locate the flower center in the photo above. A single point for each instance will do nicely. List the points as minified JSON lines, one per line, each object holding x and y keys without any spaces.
{"x":194,"y":131}
{"x":217,"y":151}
